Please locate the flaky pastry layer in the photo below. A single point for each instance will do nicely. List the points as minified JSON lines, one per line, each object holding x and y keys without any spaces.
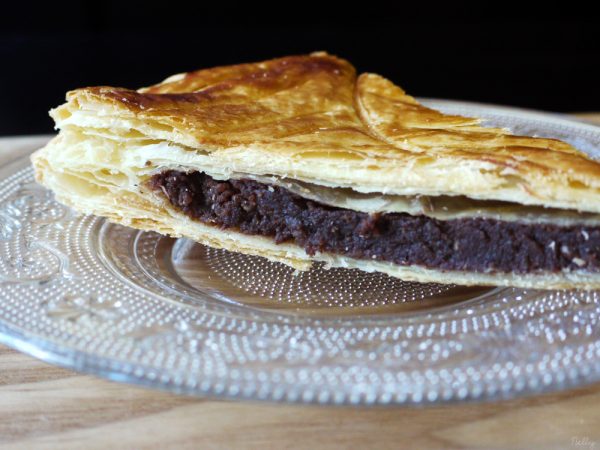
{"x":311,"y":118}
{"x":101,"y":189}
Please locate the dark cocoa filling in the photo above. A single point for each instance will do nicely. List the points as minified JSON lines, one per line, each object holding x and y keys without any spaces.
{"x":480,"y":245}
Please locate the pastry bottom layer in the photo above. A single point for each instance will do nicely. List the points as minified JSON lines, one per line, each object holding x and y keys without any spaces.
{"x":476,"y":245}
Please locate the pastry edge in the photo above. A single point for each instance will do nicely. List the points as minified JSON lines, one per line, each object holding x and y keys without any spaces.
{"x":156,"y":215}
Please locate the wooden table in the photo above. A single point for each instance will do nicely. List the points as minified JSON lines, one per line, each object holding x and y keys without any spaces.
{"x":44,"y":406}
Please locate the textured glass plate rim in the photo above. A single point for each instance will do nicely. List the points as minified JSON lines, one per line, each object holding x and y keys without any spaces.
{"x":118,"y":371}
{"x":114,"y":371}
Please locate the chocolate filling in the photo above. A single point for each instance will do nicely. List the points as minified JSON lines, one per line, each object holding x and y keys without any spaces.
{"x":480,"y":245}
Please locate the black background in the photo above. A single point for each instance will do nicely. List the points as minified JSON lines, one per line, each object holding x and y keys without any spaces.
{"x":548,"y":61}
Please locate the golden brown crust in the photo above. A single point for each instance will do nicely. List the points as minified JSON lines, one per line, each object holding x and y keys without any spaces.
{"x":400,"y":120}
{"x":244,"y":104}
{"x":309,"y":117}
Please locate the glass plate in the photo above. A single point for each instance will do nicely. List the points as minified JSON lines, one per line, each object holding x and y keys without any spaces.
{"x":142,"y":308}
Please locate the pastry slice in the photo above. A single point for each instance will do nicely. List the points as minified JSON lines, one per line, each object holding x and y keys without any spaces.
{"x":299,"y":160}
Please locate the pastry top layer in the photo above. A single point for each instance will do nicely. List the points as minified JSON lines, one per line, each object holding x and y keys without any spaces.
{"x":310,"y":118}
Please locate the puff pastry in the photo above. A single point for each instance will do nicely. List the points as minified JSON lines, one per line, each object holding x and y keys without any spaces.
{"x":298,"y":160}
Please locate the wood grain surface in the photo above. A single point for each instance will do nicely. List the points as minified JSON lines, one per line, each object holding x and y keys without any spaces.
{"x":42,"y":406}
